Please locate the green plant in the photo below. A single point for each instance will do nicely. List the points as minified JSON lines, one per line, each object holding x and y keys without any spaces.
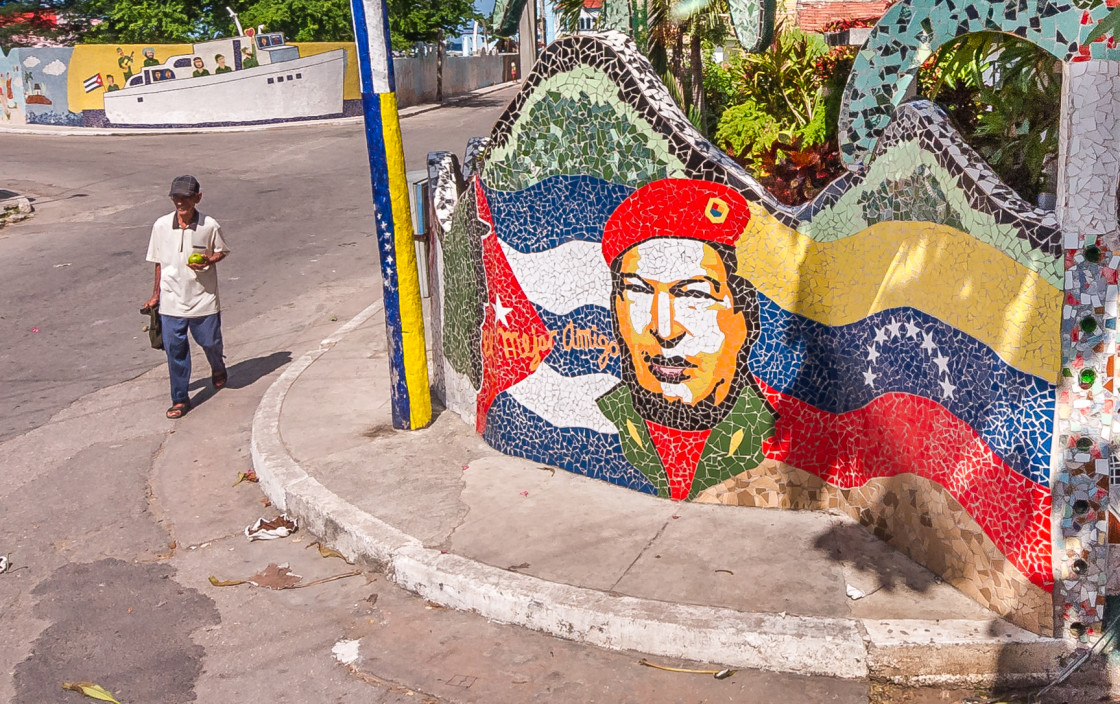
{"x":719,"y":93}
{"x":793,"y":164}
{"x":1004,"y":94}
{"x":746,"y":131}
{"x":782,"y":127}
{"x":833,"y":69}
{"x":783,"y":80}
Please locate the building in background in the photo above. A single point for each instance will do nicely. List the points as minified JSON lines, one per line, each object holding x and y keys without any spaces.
{"x":815,"y":15}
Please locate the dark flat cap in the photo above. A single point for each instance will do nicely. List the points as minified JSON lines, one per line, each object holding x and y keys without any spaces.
{"x":185,"y":186}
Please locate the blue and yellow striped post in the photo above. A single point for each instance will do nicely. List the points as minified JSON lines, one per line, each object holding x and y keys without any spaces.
{"x":404,"y":319}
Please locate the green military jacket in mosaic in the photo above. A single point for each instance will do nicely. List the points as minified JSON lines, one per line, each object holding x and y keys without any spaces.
{"x":733,"y":447}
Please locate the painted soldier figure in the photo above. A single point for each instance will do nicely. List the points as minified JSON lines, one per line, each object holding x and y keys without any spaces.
{"x":688,"y":411}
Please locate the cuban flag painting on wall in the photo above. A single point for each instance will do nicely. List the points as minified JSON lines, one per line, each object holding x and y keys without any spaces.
{"x":93,"y":83}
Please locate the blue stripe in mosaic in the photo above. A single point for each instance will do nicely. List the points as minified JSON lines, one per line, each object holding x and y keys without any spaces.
{"x":557,"y":210}
{"x":586,"y":324}
{"x":513,"y":429}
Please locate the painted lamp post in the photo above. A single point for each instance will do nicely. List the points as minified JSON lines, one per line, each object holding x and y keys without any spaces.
{"x":404,"y":319}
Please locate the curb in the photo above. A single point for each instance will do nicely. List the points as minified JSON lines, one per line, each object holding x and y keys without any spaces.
{"x":136,"y":131}
{"x":910,"y":652}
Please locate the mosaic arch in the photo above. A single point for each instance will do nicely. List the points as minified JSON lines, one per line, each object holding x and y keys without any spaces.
{"x":618,"y":298}
{"x":912,"y":30}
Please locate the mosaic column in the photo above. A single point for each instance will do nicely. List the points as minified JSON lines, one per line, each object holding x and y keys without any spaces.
{"x":404,"y":318}
{"x":1088,"y":174}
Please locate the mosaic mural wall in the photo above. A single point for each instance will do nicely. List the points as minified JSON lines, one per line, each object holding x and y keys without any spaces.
{"x":619,"y":299}
{"x":38,"y":76}
{"x":215,"y":83}
{"x":12,"y":107}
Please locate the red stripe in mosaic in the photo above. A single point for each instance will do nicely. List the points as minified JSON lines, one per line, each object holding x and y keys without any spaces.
{"x":899,"y":434}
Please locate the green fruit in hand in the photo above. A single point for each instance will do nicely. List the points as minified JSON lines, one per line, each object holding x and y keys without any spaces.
{"x":196,"y":258}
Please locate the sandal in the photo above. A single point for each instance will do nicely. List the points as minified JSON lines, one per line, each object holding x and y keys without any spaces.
{"x":178,"y":410}
{"x":219,"y":379}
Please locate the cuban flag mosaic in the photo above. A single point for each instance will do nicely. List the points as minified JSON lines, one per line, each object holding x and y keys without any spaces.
{"x":649,"y":316}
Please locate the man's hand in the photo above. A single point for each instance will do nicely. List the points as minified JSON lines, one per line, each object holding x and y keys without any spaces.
{"x":206,"y":261}
{"x":152,"y":302}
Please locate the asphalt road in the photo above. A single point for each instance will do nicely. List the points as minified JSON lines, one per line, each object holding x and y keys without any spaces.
{"x":294,"y":204}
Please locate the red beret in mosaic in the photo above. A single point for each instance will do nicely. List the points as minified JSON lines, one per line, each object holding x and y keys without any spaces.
{"x":676,"y":207}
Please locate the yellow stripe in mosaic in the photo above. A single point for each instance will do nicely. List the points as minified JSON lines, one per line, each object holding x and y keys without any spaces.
{"x":900,"y":161}
{"x":935,"y":268}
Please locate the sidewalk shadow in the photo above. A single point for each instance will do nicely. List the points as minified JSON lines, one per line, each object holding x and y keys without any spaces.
{"x":860,"y":548}
{"x":490,"y":100}
{"x":245,"y":373}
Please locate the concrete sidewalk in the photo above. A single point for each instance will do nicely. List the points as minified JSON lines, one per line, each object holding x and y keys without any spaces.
{"x":517,"y":542}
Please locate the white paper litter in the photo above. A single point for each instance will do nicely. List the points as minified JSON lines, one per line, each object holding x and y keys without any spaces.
{"x":279,"y":527}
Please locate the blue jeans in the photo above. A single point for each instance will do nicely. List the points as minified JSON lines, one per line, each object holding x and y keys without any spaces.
{"x":207,"y":332}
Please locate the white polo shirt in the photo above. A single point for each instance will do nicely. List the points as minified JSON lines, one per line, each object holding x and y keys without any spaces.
{"x":184,"y":292}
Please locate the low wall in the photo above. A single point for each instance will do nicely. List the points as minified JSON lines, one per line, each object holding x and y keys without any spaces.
{"x":67,"y":86}
{"x":616,"y":297}
{"x":416,"y":76}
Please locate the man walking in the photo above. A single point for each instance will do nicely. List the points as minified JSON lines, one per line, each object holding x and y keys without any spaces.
{"x":185,"y":247}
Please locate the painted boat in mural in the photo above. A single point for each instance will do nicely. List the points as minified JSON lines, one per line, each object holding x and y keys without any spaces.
{"x":283,"y":86}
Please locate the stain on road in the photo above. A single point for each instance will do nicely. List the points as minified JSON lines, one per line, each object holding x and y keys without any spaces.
{"x":125,"y":626}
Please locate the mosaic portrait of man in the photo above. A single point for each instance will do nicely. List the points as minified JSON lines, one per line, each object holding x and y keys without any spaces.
{"x":688,"y":411}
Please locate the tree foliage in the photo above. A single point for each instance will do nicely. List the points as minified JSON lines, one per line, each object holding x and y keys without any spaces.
{"x":185,"y":21}
{"x":303,"y":20}
{"x":22,"y":22}
{"x":423,"y":20}
{"x":155,"y":21}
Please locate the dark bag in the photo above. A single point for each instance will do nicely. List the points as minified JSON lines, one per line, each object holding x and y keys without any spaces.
{"x":155,"y":326}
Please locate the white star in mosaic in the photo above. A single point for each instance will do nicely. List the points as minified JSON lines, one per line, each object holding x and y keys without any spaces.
{"x":947,"y":388}
{"x":927,"y":342}
{"x":500,"y":312}
{"x":869,"y":377}
{"x":942,"y":363}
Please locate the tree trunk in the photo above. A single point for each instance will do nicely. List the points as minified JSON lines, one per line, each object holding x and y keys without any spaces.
{"x":678,"y":54}
{"x":439,"y":66}
{"x":696,"y":64}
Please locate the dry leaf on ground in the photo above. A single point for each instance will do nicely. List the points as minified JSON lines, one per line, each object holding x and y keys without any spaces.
{"x":249,"y":476}
{"x":324,"y":551}
{"x":91,"y":690}
{"x":280,"y":577}
{"x":275,"y":577}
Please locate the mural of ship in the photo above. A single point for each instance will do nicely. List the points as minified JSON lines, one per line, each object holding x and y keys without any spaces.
{"x":281,"y":86}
